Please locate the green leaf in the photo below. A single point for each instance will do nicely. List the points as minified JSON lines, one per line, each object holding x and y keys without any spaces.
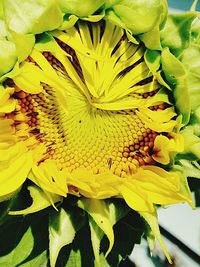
{"x":197,"y":197}
{"x":5,"y":208}
{"x":117,"y":209}
{"x":79,"y":253}
{"x":102,"y":261}
{"x":32,"y":16}
{"x":152,"y":221}
{"x":20,"y":252}
{"x":24,"y":241}
{"x":63,"y":226}
{"x":128,"y":231}
{"x":40,"y":201}
{"x":177,"y":30}
{"x":74,"y":259}
{"x":96,"y":237}
{"x":99,"y":212}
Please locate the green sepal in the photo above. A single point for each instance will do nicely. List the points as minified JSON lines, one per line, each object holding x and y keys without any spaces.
{"x":151,"y":39}
{"x":171,"y":66}
{"x":189,"y":168}
{"x":153,"y":60}
{"x":195,"y":31}
{"x":192,"y":142}
{"x":11,"y":74}
{"x":80,"y":8}
{"x":139,"y":16}
{"x":1,"y":9}
{"x":8,"y":56}
{"x":95,"y":18}
{"x":191,"y":135}
{"x":63,"y":225}
{"x":68,"y":22}
{"x":176,"y":76}
{"x":33,"y":16}
{"x":177,"y":31}
{"x":113,"y":18}
{"x":152,"y":221}
{"x":24,"y":44}
{"x":190,"y":59}
{"x":3,"y":32}
{"x":45,"y":42}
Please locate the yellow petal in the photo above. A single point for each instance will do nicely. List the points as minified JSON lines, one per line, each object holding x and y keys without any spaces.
{"x":151,"y":219}
{"x":133,"y":199}
{"x":15,"y":175}
{"x":163,"y":125}
{"x":30,"y":83}
{"x":7,"y":104}
{"x":48,"y":177}
{"x":164,"y":146}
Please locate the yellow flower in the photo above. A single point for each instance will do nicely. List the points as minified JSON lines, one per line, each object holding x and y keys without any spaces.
{"x":93,"y":105}
{"x":84,"y":115}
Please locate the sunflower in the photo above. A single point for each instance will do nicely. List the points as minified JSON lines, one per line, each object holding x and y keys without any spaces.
{"x":92,"y":110}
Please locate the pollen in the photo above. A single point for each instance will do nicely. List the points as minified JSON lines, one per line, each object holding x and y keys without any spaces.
{"x":86,"y":113}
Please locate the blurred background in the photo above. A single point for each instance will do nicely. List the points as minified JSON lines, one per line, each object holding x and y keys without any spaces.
{"x":181,"y":5}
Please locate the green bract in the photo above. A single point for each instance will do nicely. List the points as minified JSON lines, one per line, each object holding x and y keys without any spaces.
{"x":32,"y":16}
{"x":139,"y":20}
{"x":7,"y":56}
{"x":189,"y":159}
{"x":190,"y":59}
{"x":80,"y":8}
{"x":51,"y":14}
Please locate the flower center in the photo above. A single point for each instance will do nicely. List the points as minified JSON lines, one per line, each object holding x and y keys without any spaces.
{"x":87,"y":113}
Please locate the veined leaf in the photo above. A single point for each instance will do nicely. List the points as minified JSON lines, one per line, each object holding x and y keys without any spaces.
{"x":63,"y":226}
